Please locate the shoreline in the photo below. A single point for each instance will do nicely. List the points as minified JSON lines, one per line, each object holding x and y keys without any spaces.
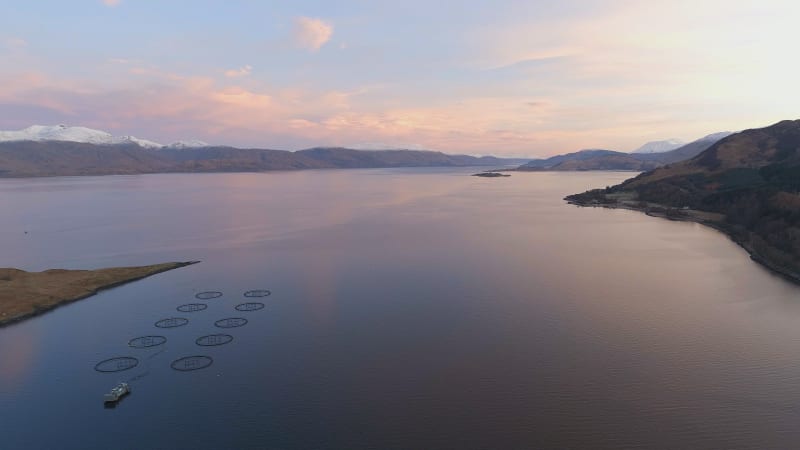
{"x":775,"y":269}
{"x":29,"y":295}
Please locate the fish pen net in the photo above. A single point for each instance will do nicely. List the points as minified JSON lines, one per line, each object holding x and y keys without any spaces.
{"x":192,"y":307}
{"x":207,"y":295}
{"x":117,"y":364}
{"x":146,"y":341}
{"x":189,"y":363}
{"x":258,"y":293}
{"x":231,"y":322}
{"x":213,"y":340}
{"x":172,"y":322}
{"x":249,"y":306}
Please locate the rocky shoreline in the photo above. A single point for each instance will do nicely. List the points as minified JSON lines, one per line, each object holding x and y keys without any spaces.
{"x":696,"y":216}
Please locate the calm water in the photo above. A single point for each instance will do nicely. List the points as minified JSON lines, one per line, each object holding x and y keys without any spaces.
{"x":410,"y":309}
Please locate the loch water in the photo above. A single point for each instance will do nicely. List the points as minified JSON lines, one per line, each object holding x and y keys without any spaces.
{"x":409,"y":308}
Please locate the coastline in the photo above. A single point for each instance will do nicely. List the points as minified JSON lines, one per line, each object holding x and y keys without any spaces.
{"x":691,"y":216}
{"x":31,"y":290}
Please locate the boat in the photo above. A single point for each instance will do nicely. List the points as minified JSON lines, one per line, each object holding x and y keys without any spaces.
{"x":116,"y":393}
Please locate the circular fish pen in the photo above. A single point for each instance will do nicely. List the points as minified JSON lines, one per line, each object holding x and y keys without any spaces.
{"x":192,"y":307}
{"x":258,"y":293}
{"x":117,"y":364}
{"x":172,"y":322}
{"x":231,"y":322}
{"x":249,"y":306}
{"x":208,"y":295}
{"x":190,"y":363}
{"x":213,"y":340}
{"x":146,"y":341}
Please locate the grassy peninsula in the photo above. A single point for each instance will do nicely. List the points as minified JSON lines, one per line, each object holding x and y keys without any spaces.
{"x":26,"y":294}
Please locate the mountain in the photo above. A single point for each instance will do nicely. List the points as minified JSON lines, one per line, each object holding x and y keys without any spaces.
{"x":747,"y":185}
{"x":660,"y":146}
{"x":64,"y":133}
{"x":38,"y":133}
{"x":580,"y":155}
{"x":612,"y":160}
{"x":29,"y":158}
{"x":689,"y":150}
{"x":58,"y":133}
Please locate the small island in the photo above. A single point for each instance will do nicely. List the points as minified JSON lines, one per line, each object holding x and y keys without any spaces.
{"x":491,"y":175}
{"x":27,"y":294}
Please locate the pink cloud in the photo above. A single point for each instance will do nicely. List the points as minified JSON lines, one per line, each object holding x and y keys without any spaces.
{"x":240,"y":72}
{"x":166,"y":106}
{"x":135,"y":98}
{"x":311,"y":33}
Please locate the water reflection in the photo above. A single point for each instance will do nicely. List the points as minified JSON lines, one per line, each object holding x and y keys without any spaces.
{"x":19,"y":349}
{"x":409,"y":309}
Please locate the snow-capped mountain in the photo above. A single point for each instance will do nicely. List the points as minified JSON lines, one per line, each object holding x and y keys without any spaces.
{"x":714,"y":137}
{"x":73,"y":134}
{"x":86,"y":135}
{"x":194,"y":143}
{"x":660,"y":146}
{"x":57,"y":133}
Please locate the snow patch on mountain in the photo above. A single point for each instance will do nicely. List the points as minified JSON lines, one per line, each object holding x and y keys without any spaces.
{"x":194,"y":143}
{"x":134,"y":140}
{"x":660,"y":146}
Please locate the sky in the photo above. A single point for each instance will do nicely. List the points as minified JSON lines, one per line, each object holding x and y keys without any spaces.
{"x":510,"y":78}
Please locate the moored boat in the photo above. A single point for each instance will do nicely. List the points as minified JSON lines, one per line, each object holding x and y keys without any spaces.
{"x":116,"y":393}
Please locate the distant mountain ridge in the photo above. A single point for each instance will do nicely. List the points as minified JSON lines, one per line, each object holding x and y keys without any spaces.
{"x":67,"y":158}
{"x":594,"y":159}
{"x":60,"y":150}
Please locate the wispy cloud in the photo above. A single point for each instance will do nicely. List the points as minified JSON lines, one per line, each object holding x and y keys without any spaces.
{"x":111,"y":3}
{"x":15,"y":43}
{"x":311,"y":33}
{"x":120,"y":61}
{"x":240,"y":72}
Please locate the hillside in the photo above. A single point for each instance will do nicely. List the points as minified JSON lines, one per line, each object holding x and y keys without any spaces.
{"x":349,"y":158}
{"x":747,"y":185}
{"x":68,"y":158}
{"x":592,"y":159}
{"x":31,"y":159}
